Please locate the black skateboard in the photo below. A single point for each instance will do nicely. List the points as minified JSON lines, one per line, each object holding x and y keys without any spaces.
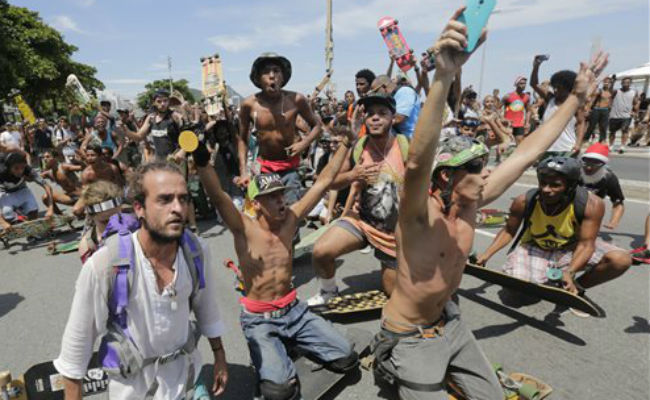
{"x":545,"y":292}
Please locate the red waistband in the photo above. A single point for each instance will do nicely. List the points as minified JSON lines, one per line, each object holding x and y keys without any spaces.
{"x":257,"y":306}
{"x":268,"y":166}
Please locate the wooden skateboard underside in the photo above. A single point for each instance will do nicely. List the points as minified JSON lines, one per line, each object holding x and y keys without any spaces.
{"x":353,"y":303}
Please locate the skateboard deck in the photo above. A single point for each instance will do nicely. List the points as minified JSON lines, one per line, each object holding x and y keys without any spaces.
{"x":56,"y":247}
{"x":319,"y":88}
{"x":544,"y":292}
{"x":516,"y":386}
{"x":353,"y":303}
{"x":213,"y":86}
{"x":397,"y":47}
{"x":306,"y":244}
{"x":24,"y":108}
{"x":80,"y":94}
{"x":37,"y":227}
{"x":43,"y":382}
{"x":490,"y":217}
{"x":316,"y":381}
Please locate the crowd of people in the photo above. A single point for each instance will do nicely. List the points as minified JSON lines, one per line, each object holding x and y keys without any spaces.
{"x":389,"y":171}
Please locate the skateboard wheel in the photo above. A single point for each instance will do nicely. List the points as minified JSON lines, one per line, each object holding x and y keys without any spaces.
{"x":528,"y":392}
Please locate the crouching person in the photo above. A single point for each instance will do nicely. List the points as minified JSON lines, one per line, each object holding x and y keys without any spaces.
{"x":137,"y":293}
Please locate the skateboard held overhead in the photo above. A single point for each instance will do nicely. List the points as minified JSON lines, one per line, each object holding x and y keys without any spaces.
{"x":213,"y":85}
{"x":545,"y":292}
{"x":397,"y":47}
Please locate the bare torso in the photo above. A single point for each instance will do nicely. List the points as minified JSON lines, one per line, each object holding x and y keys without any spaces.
{"x":604,"y":99}
{"x":266,"y":259}
{"x":275,"y":124}
{"x":431,"y":256}
{"x":101,"y":172}
{"x":68,"y":181}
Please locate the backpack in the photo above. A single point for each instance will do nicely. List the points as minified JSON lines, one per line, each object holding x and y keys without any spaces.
{"x":579,"y":205}
{"x":118,"y":353}
{"x":402,"y":142}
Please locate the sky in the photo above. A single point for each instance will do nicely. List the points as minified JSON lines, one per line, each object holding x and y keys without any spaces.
{"x":128,"y":41}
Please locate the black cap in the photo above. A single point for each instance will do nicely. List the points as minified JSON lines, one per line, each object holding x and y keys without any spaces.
{"x":378,"y":98}
{"x":264,"y":184}
{"x":283,"y":62}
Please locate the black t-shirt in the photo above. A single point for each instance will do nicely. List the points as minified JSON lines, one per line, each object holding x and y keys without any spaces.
{"x":608,"y":186}
{"x":43,"y":138}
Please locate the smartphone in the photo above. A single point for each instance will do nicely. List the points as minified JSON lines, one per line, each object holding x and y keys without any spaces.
{"x":475,"y":17}
{"x":543,"y":57}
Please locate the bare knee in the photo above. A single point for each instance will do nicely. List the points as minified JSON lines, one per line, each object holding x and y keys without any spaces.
{"x":618,"y":260}
{"x":323,"y":252}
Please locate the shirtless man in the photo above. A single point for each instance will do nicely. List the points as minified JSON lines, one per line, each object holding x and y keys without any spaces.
{"x":600,"y":111}
{"x":64,"y":175}
{"x":272,"y":113}
{"x":435,"y":234}
{"x":99,"y":169}
{"x":271,"y":315}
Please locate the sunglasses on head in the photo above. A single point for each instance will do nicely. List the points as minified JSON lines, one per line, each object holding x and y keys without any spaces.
{"x":474,"y":166}
{"x":472,"y":123}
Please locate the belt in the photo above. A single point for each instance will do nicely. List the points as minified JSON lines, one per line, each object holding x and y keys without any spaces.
{"x":427,"y":331}
{"x":275,"y":313}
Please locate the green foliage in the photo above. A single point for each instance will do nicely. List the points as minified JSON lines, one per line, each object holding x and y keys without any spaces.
{"x":144,"y":99}
{"x":35,"y":59}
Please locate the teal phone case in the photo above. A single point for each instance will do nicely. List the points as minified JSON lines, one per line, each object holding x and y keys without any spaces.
{"x":475,"y":17}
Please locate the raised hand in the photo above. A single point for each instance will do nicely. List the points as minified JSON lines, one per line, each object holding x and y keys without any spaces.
{"x":449,"y":50}
{"x":586,"y":82}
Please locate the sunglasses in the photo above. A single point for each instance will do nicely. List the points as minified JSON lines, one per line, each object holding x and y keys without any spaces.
{"x":592,"y":162}
{"x":474,"y":166}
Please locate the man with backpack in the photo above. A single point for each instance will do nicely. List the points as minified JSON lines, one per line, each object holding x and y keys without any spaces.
{"x":137,"y":292}
{"x":561,"y":220}
{"x":376,"y":171}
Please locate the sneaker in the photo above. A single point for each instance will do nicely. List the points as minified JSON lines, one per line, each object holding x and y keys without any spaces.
{"x":579,"y":313}
{"x":642,"y":257}
{"x":321,"y":298}
{"x":366,"y":250}
{"x":639,"y":249}
{"x":621,"y":150}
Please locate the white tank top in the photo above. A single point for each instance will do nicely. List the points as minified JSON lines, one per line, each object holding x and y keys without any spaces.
{"x":567,"y":138}
{"x":622,"y":104}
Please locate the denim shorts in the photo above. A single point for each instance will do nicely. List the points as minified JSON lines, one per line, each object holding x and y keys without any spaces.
{"x":267,"y":338}
{"x":22,"y":200}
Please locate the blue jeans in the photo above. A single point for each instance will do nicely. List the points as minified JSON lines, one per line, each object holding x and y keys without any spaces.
{"x":291,"y":180}
{"x":266,"y":339}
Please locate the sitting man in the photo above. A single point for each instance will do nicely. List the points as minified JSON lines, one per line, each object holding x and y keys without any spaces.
{"x":561,"y":222}
{"x":271,"y":315}
{"x":14,"y":193}
{"x":602,"y":181}
{"x":64,"y":174}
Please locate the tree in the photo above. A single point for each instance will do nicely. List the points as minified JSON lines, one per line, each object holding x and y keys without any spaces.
{"x":36,"y":60}
{"x":144,"y":99}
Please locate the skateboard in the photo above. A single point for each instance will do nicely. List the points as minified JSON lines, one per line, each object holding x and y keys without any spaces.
{"x":319,"y":88}
{"x":306,"y":244}
{"x":55,"y":247}
{"x":43,"y":382}
{"x":397,"y":47}
{"x":490,"y":217}
{"x":37,"y":228}
{"x":352,"y":303}
{"x":213,"y":86}
{"x":516,"y":386}
{"x":24,"y":108}
{"x":545,"y":292}
{"x":315,"y":380}
{"x":78,"y":91}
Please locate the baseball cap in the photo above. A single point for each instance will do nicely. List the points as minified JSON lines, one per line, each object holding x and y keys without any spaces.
{"x":378,"y":98}
{"x":264,"y":184}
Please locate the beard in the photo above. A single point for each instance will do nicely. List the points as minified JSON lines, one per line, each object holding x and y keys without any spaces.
{"x":595,"y":177}
{"x":157,"y":235}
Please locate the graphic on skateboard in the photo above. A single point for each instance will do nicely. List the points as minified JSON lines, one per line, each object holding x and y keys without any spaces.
{"x":80,"y":94}
{"x":55,"y":247}
{"x":43,"y":382}
{"x":516,"y":386}
{"x":397,"y":47}
{"x":23,"y":107}
{"x":352,"y":303}
{"x":545,"y":292}
{"x":37,"y":228}
{"x":490,"y":217}
{"x":315,"y":380}
{"x":213,"y":86}
{"x":306,"y":244}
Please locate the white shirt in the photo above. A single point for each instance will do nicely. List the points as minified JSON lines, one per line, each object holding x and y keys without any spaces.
{"x":155,"y":328}
{"x":11,"y":139}
{"x":622,"y":104}
{"x":567,"y":138}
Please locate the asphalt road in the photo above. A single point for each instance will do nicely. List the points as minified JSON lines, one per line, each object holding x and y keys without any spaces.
{"x":630,"y":166}
{"x":587,"y":358}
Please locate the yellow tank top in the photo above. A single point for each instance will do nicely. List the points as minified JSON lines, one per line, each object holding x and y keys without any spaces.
{"x":551,"y":232}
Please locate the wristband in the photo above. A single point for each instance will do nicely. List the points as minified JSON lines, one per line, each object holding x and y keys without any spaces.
{"x":215,"y":349}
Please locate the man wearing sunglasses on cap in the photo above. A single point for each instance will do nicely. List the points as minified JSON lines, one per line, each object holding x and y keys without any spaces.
{"x":423,"y":340}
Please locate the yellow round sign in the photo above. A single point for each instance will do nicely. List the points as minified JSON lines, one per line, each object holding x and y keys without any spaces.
{"x":188,"y":141}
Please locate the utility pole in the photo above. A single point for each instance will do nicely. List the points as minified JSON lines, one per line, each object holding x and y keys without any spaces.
{"x":329,"y":42}
{"x":169,"y":69}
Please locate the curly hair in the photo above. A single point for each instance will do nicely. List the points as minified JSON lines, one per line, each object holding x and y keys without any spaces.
{"x":366,"y":74}
{"x":563,"y":79}
{"x":136,"y":182}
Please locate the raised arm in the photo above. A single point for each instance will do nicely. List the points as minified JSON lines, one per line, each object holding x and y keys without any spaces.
{"x":245,"y":114}
{"x":535,"y":144}
{"x":325,"y":178}
{"x":141,"y":134}
{"x":305,"y":111}
{"x":450,"y":56}
{"x":534,"y":79}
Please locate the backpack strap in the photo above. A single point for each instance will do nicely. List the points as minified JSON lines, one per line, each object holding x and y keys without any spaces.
{"x":122,"y":261}
{"x":580,"y":203}
{"x":358,"y":149}
{"x":194,"y":258}
{"x":531,"y":199}
{"x":403,"y":143}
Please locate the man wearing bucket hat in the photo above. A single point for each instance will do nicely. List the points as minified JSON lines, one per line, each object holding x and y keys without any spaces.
{"x":516,"y":106}
{"x":270,"y":115}
{"x":272,"y":316}
{"x":602,"y":181}
{"x":421,"y":326}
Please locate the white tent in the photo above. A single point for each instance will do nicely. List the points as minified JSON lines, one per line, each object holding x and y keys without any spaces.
{"x":639,"y":74}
